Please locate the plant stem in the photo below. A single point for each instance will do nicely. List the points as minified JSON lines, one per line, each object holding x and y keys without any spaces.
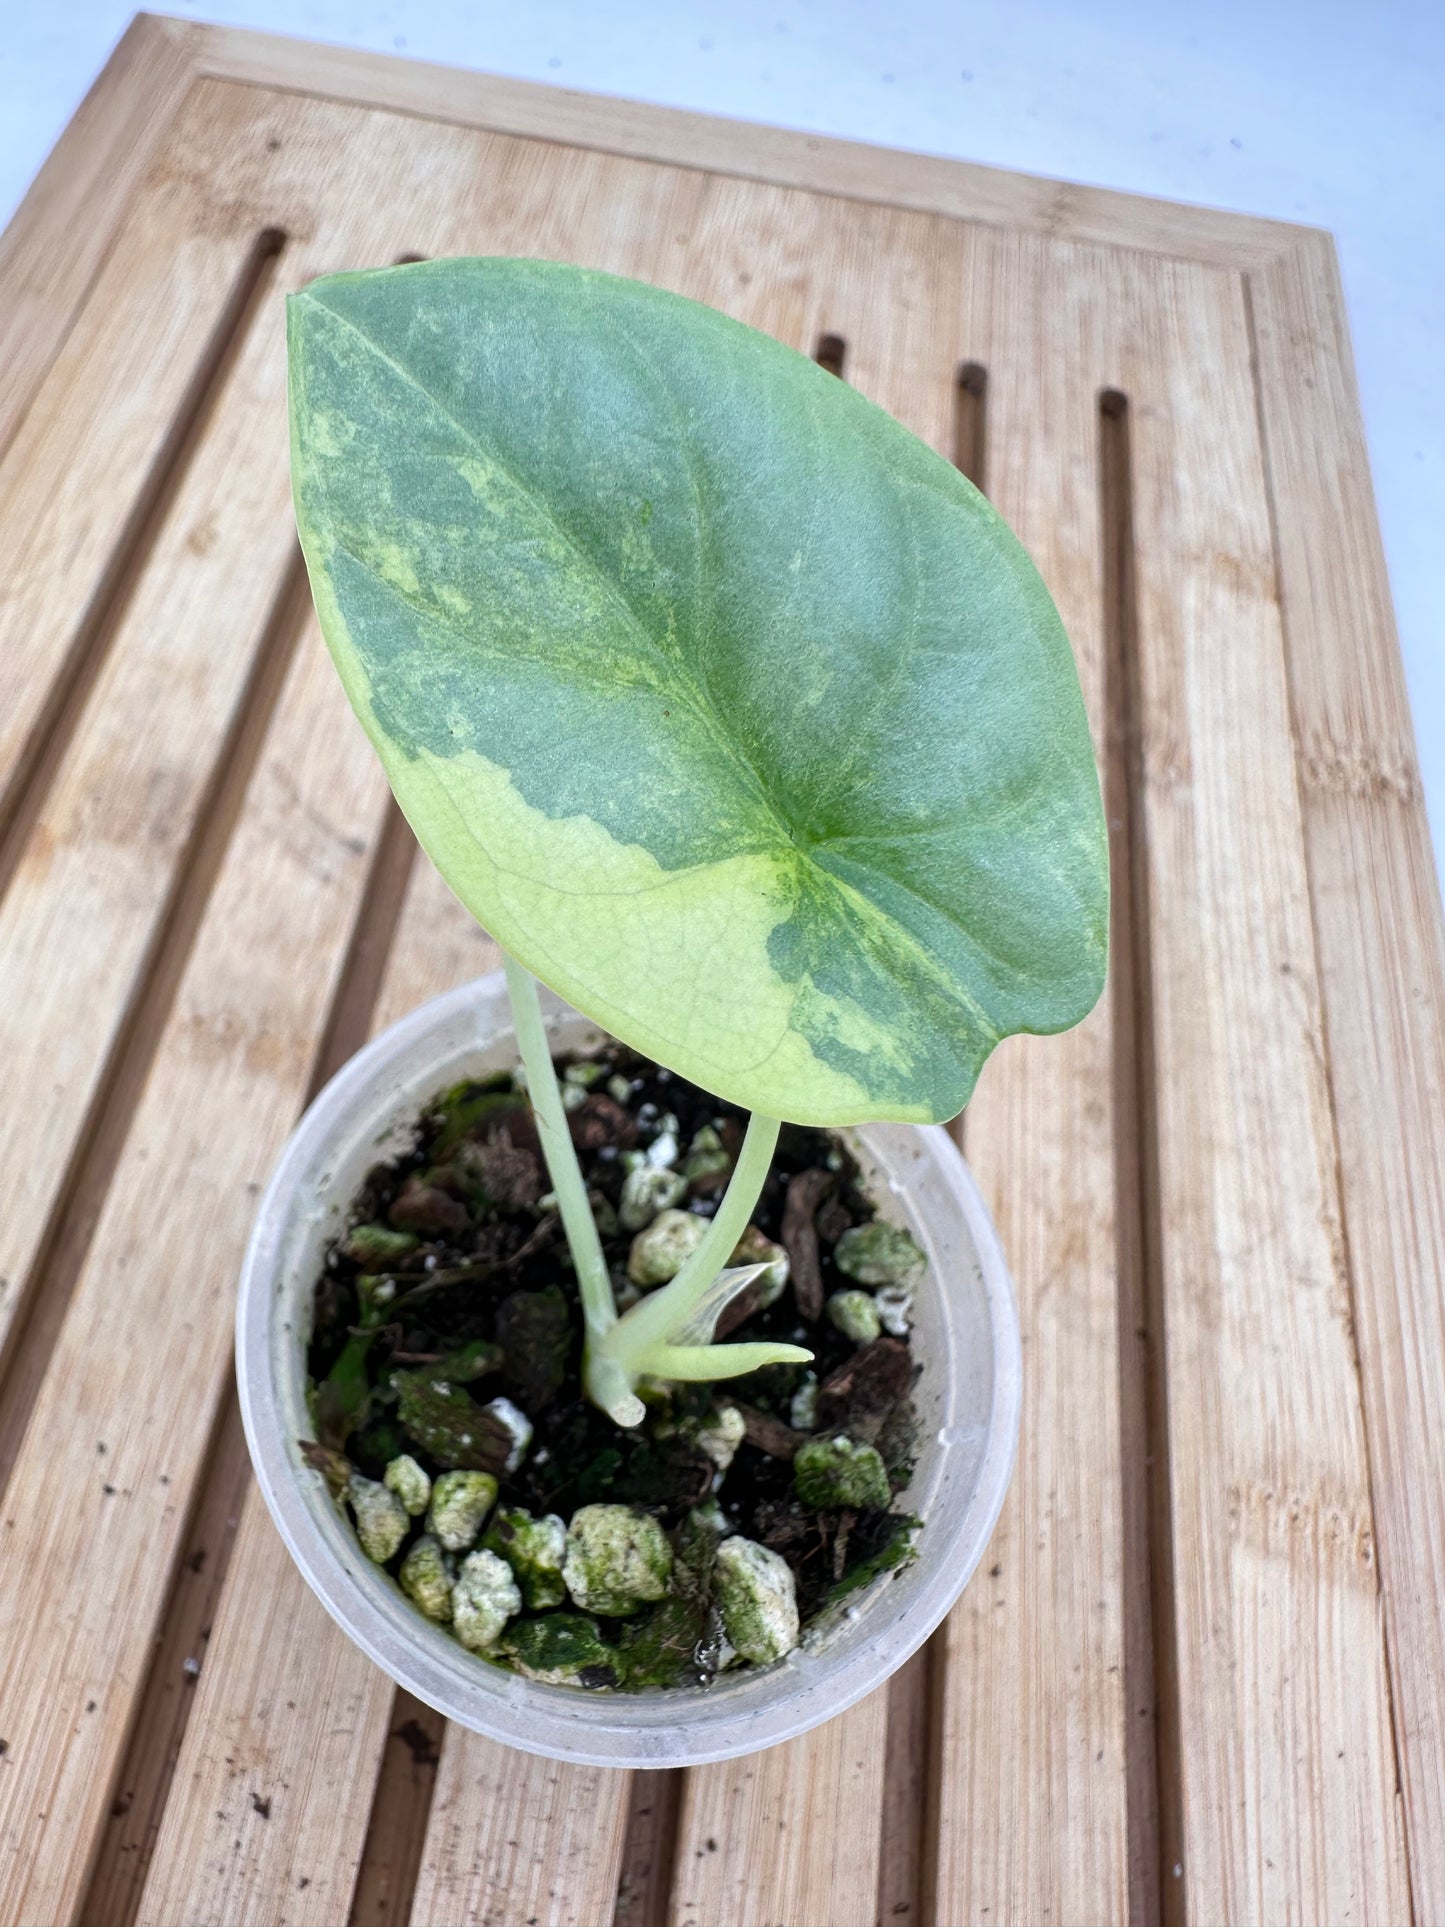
{"x":659,"y":1313}
{"x":598,"y":1305}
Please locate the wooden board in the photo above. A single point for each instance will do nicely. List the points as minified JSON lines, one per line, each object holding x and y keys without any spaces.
{"x":1199,"y":1675}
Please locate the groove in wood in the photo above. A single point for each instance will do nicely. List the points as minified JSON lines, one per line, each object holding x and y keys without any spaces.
{"x":649,"y":1849}
{"x":24,"y":791}
{"x":970,"y":423}
{"x":82,"y":1194}
{"x":907,"y":1848}
{"x":1150,"y":1676}
{"x":400,"y":1809}
{"x":163,"y":1706}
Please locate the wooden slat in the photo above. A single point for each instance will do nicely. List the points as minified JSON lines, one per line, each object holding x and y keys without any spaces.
{"x":90,"y":1536}
{"x":1270,"y":1208}
{"x":92,"y":883}
{"x":1031,"y":1804}
{"x":710,"y":236}
{"x":494,"y":1828}
{"x":272,"y":1658}
{"x":1287,"y":1767}
{"x":58,"y":238}
{"x":99,"y":444}
{"x":1381,"y":961}
{"x":921,"y":183}
{"x":888,"y":284}
{"x":775,"y":1841}
{"x":515,"y":1838}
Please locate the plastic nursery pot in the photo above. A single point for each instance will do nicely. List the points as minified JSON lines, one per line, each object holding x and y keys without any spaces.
{"x":965,"y":1335}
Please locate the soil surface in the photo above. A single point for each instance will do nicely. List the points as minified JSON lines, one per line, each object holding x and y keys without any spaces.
{"x":453,"y":1286}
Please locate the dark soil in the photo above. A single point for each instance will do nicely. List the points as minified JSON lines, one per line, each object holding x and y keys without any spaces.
{"x":485,"y":1301}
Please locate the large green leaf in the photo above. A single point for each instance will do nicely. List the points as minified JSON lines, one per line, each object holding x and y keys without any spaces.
{"x":730,"y":708}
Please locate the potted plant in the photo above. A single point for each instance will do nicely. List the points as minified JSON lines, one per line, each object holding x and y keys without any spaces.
{"x":743,"y":722}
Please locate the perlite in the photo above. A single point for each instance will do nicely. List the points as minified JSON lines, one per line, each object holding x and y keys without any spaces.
{"x":757,"y":1600}
{"x":409,"y":1482}
{"x":381,"y":1518}
{"x":661,"y":1251}
{"x":617,"y":1560}
{"x":894,"y":1305}
{"x":720,"y":1434}
{"x":840,"y":1472}
{"x":878,"y":1254}
{"x":517,"y":1426}
{"x":535,"y":1550}
{"x":755,"y":1248}
{"x":855,"y":1315}
{"x":459,"y":1503}
{"x":484,"y":1598}
{"x":426,"y":1578}
{"x":646,"y":1190}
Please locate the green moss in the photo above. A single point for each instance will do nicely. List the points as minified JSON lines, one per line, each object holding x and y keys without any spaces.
{"x":878,"y":1253}
{"x":438,"y":1414}
{"x":561,"y":1648}
{"x":376,"y":1247}
{"x":828,"y":1473}
{"x":896,"y":1550}
{"x":617,"y":1560}
{"x":466,"y":1108}
{"x":534,"y":1549}
{"x":660,"y":1649}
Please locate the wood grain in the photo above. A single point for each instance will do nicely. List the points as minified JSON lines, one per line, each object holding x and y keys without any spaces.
{"x":1381,"y":961}
{"x":56,"y":243}
{"x":515,"y":1838}
{"x":775,"y":1841}
{"x":92,"y":879}
{"x":268,"y":1806}
{"x":1301,"y":1259}
{"x":1287,"y":1761}
{"x":100,"y":435}
{"x":90,"y":1536}
{"x":1032,"y":1822}
{"x":921,"y":183}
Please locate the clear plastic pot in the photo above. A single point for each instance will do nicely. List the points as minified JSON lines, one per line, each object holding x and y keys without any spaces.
{"x":966,"y":1335}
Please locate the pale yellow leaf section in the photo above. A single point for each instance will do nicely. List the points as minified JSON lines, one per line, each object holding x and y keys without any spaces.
{"x":634,"y":907}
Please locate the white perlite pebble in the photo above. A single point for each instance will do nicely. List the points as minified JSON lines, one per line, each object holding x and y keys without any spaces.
{"x":757,"y":1600}
{"x":483,"y":1600}
{"x":855,"y":1315}
{"x":803,"y":1412}
{"x":459,"y":1503}
{"x":662,"y":1152}
{"x":409,"y":1482}
{"x":617,"y":1559}
{"x":660,"y":1252}
{"x":754,"y":1248}
{"x":720,"y":1434}
{"x":646,"y":1191}
{"x":519,"y":1428}
{"x":381,"y":1518}
{"x":894,"y":1305}
{"x":426,"y":1580}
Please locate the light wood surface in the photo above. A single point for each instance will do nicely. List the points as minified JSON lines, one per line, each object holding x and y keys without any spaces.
{"x":1287,"y":1758}
{"x":777,"y":1838}
{"x":1035,"y":1676}
{"x":1210,"y":1632}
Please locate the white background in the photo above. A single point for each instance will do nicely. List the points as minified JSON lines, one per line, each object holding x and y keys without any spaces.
{"x":1327,"y":113}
